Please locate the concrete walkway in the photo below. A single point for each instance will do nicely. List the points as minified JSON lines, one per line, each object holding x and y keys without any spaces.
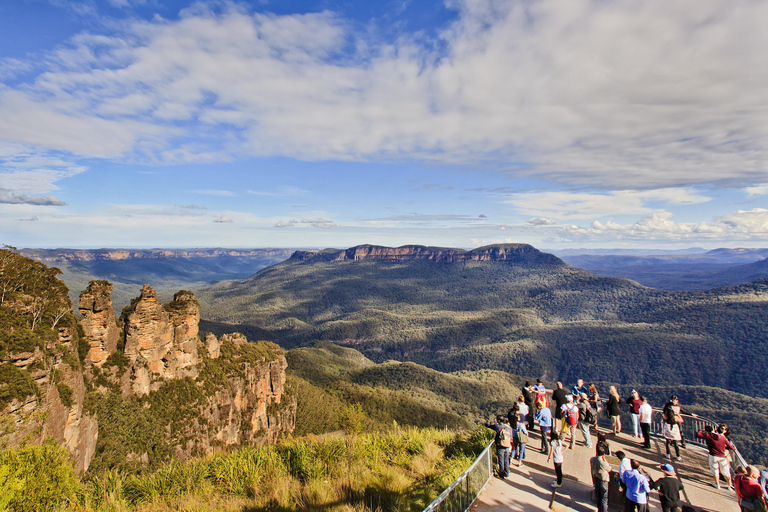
{"x":528,"y":487}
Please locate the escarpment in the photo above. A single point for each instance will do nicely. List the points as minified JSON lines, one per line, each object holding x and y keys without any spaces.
{"x":131,"y":391}
{"x":522,"y":254}
{"x":221,"y":391}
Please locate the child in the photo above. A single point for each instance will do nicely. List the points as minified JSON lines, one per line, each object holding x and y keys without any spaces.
{"x":556,"y":454}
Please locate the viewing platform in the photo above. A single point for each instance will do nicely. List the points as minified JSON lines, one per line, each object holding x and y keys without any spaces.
{"x":528,"y":487}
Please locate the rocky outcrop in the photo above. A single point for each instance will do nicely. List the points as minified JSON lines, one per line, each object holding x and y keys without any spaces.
{"x":98,"y":322}
{"x":50,"y":413}
{"x":161,"y":341}
{"x":520,"y":254}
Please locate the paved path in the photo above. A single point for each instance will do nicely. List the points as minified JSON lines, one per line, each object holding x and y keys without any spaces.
{"x":528,"y":487}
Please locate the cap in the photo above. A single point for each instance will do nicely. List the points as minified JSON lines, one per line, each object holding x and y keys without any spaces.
{"x":667,"y":468}
{"x":569,"y":398}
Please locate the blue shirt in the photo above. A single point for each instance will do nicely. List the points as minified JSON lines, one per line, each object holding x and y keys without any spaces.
{"x":577,"y":391}
{"x":637,"y":486}
{"x":544,"y":417}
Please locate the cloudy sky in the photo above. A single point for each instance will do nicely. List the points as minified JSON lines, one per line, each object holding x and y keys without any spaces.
{"x":560,"y":123}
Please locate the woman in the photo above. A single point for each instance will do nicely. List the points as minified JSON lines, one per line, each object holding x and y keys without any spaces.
{"x":520,"y":437}
{"x":614,"y":409}
{"x":594,"y":397}
{"x":556,"y":454}
{"x":522,"y":408}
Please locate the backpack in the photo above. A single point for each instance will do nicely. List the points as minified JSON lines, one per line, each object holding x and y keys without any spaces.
{"x":573,"y":416}
{"x":505,"y":437}
{"x":590,"y":417}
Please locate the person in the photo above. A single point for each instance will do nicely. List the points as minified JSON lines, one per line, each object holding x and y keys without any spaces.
{"x":586,"y":416}
{"x":522,"y":408}
{"x":669,"y":488}
{"x":602,"y":440}
{"x":528,"y":396}
{"x":556,"y":454}
{"x":540,"y":400}
{"x":625,"y":464}
{"x":763,"y":481}
{"x":646,"y":416}
{"x":716,"y":445}
{"x":558,"y":396}
{"x":636,"y":483}
{"x":635,"y":401}
{"x":544,"y":418}
{"x":594,"y":397}
{"x":614,"y":410}
{"x":503,"y":442}
{"x":539,"y":387}
{"x":570,"y":421}
{"x":579,"y":388}
{"x":672,"y":426}
{"x":519,"y":437}
{"x":601,"y":475}
{"x":673,"y":414}
{"x":749,"y":490}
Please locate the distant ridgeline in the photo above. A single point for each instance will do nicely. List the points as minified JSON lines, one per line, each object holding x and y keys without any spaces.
{"x":505,"y":307}
{"x":128,"y":392}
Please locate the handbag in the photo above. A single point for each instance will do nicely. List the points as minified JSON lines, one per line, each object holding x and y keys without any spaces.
{"x":522,"y":437}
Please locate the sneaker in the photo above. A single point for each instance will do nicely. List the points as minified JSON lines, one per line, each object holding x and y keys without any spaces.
{"x":556,"y":485}
{"x":666,"y":456}
{"x":716,"y":486}
{"x":730,"y":487}
{"x":679,"y":458}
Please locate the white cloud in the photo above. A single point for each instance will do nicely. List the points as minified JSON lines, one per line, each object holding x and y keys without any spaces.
{"x":541,"y":221}
{"x":10,"y":197}
{"x":319,"y":223}
{"x":757,"y":190}
{"x":629,"y":95}
{"x":223,"y":219}
{"x":750,"y":225}
{"x":588,"y":205}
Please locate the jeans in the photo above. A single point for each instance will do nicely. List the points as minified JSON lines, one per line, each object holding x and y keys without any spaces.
{"x":519,"y":451}
{"x":601,"y":488}
{"x":503,"y":455}
{"x":646,"y":428}
{"x":545,"y":440}
{"x":584,"y":427}
{"x":559,"y":472}
{"x":673,"y":443}
{"x":635,"y":422}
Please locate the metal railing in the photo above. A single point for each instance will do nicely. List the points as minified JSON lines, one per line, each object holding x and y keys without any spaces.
{"x":690,"y":426}
{"x":460,"y":495}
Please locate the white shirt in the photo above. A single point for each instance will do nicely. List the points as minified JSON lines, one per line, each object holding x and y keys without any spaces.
{"x":646,"y":411}
{"x":522,"y":409}
{"x":626,"y":465}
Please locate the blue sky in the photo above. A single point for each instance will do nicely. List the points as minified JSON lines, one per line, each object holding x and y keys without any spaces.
{"x":568,"y":123}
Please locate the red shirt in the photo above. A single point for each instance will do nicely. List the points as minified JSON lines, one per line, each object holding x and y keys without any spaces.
{"x":749,"y":489}
{"x":716,"y":443}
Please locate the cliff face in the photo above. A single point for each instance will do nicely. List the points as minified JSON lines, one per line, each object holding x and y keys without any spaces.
{"x":49,"y":413}
{"x":228,"y":391}
{"x":98,"y":322}
{"x":512,"y":253}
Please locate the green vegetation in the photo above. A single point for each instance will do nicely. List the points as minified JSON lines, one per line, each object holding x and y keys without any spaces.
{"x":401,"y":469}
{"x":36,"y":478}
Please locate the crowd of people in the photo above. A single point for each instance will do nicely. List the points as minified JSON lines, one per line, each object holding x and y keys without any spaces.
{"x":578,"y":409}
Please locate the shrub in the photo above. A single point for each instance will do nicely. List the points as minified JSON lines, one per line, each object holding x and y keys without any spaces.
{"x":37,"y":478}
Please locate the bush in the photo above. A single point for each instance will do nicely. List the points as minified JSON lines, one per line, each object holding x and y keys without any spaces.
{"x":37,"y":478}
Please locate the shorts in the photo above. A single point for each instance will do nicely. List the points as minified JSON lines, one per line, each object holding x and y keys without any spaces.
{"x":719,"y":465}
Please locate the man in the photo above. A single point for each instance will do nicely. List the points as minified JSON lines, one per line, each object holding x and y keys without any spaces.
{"x":601,"y":475}
{"x":635,"y":402}
{"x":544,"y":418}
{"x":579,"y":388}
{"x":503,"y":441}
{"x":637,"y":486}
{"x":558,"y":395}
{"x":749,"y":489}
{"x":716,"y":444}
{"x":528,"y":395}
{"x":669,"y":489}
{"x":646,"y":413}
{"x":586,"y":415}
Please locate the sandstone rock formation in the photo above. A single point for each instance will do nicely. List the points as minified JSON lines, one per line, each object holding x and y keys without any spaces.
{"x":161,"y":341}
{"x":511,"y":253}
{"x":98,"y":322}
{"x":49,"y":414}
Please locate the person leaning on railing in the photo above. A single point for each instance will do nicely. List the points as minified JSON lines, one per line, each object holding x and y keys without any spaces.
{"x":749,"y":491}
